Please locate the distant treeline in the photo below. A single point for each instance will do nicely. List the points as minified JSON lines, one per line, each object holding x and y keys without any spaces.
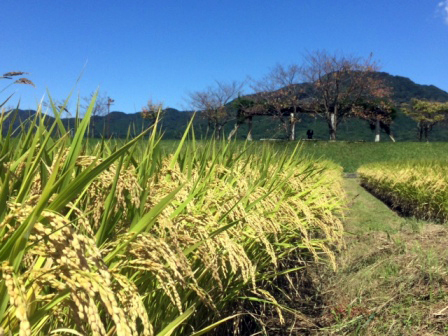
{"x":118,"y":124}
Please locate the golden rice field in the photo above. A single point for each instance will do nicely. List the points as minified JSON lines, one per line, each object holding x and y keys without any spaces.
{"x":123,"y":239}
{"x":418,"y":188}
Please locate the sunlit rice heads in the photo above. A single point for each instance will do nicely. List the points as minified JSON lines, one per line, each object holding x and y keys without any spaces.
{"x":144,"y":238}
{"x":415,"y":188}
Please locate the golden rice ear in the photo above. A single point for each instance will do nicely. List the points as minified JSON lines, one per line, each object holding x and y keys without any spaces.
{"x":17,"y":296}
{"x":24,"y":81}
{"x":15,"y":73}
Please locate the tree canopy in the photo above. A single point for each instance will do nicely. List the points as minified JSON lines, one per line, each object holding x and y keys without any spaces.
{"x":427,"y":114}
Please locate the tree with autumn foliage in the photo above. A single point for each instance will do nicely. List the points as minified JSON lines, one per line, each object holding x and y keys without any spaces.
{"x":378,"y":109}
{"x":279,"y":94}
{"x":339,"y":83}
{"x":244,"y":109}
{"x":152,"y":111}
{"x":214,"y":104}
{"x":379,"y":114}
{"x":427,"y":114}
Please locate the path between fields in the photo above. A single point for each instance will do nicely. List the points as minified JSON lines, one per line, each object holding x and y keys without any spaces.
{"x":393,"y":274}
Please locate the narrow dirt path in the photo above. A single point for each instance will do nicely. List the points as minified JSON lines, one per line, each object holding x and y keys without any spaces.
{"x":393,"y":274}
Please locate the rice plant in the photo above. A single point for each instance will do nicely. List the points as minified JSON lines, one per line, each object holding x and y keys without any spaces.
{"x":417,"y":188}
{"x":123,"y":238}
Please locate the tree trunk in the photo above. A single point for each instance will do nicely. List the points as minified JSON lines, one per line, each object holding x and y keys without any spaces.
{"x":333,"y":126}
{"x":108,"y":124}
{"x":207,"y":131}
{"x":292,"y":134}
{"x":420,"y":132}
{"x":285,"y":125}
{"x":233,"y":132}
{"x":377,"y":131}
{"x":104,"y":134}
{"x":249,"y":131}
{"x":218,"y":129}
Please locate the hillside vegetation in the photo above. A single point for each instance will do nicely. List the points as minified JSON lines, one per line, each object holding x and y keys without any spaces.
{"x":352,"y":129}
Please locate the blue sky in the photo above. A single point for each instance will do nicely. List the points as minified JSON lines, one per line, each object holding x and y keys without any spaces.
{"x":135,"y":50}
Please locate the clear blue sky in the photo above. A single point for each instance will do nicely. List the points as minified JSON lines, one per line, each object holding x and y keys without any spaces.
{"x":136,"y":50}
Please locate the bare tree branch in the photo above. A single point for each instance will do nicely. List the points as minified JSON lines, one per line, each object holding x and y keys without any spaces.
{"x":339,"y":83}
{"x":213,"y":103}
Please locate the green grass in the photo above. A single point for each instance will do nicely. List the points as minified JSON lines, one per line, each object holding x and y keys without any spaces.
{"x":351,"y":155}
{"x":367,"y":213}
{"x":392,"y":276}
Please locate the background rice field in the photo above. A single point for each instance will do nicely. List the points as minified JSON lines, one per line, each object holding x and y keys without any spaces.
{"x":415,"y":188}
{"x":349,"y":155}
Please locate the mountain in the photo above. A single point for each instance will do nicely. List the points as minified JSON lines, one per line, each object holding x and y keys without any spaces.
{"x":174,"y":121}
{"x":405,"y":89}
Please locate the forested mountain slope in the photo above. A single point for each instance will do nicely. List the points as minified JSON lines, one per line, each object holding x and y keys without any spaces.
{"x":174,"y":121}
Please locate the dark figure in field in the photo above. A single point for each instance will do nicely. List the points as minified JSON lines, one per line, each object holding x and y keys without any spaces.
{"x":309,"y":134}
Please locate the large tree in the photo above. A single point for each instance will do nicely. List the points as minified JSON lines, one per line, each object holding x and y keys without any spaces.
{"x":378,"y":109}
{"x":151,"y":111}
{"x":379,"y":114}
{"x":244,"y":108}
{"x":278,"y":95}
{"x":338,"y":84}
{"x":427,"y":114}
{"x":214,"y":104}
{"x":281,"y":92}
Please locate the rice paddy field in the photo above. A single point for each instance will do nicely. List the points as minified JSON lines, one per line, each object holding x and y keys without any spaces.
{"x":416,"y":188}
{"x":150,"y":237}
{"x":352,"y":155}
{"x":349,"y":155}
{"x":125,"y":238}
